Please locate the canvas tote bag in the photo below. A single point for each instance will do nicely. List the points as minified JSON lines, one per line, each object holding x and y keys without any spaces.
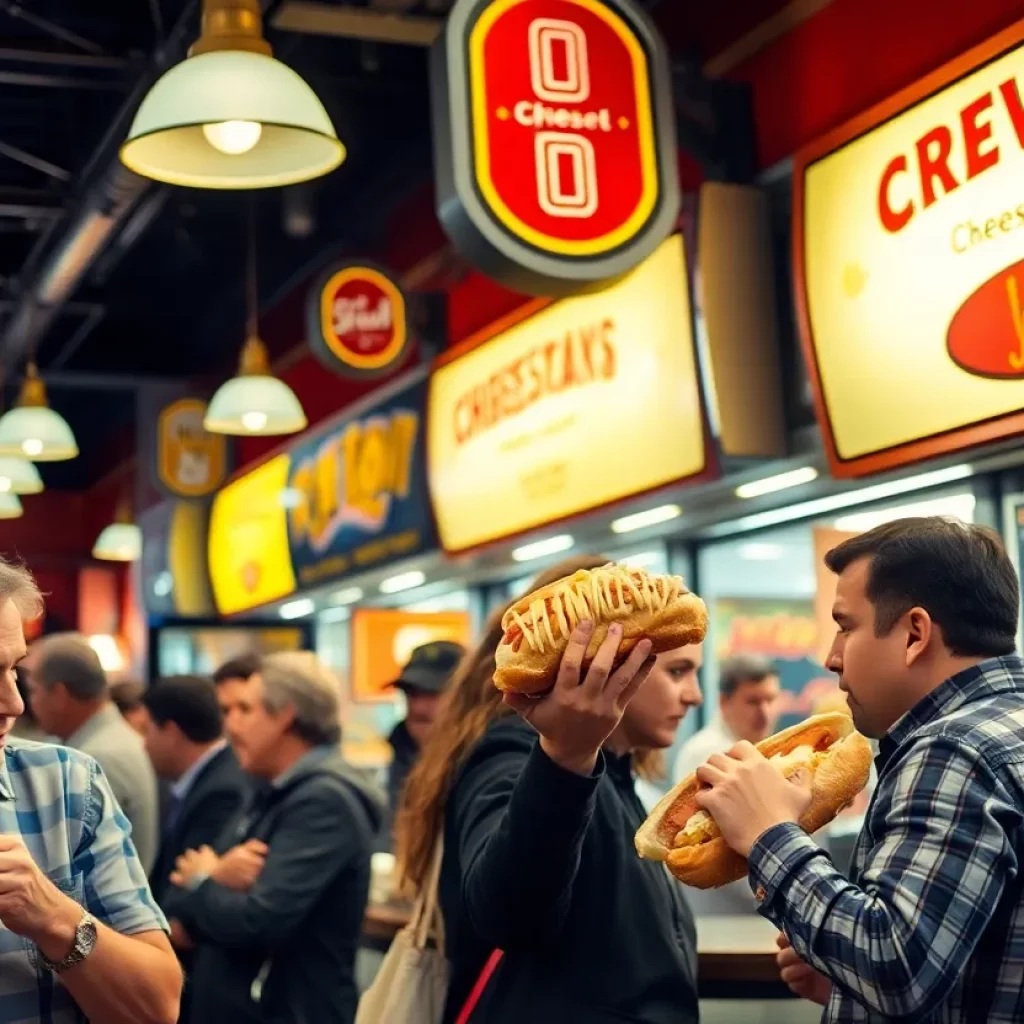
{"x":412,"y":983}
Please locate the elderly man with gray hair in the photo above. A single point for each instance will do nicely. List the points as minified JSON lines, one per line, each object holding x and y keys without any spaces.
{"x":74,"y":903}
{"x":69,"y":694}
{"x":276,"y":911}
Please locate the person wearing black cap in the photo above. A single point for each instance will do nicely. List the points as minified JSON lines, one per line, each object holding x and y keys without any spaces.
{"x":423,"y":679}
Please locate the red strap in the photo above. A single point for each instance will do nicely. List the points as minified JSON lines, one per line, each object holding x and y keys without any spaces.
{"x":478,"y":989}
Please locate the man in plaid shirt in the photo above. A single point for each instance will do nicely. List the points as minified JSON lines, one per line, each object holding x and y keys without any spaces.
{"x":80,"y":935}
{"x":930,"y":925}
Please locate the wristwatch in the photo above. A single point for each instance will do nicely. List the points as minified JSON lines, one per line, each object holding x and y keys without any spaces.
{"x":84,"y":944}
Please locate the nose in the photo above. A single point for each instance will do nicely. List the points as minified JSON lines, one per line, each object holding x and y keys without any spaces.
{"x":11,"y":704}
{"x":692,"y":697}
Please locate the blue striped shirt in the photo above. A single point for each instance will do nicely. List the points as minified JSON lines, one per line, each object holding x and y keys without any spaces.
{"x":929,"y":927}
{"x":60,"y":803}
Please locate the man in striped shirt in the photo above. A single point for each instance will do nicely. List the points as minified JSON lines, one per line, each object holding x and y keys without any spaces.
{"x":930,"y":925}
{"x":80,"y":935}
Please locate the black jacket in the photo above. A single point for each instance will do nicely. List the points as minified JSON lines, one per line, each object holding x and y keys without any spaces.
{"x":295,"y":933}
{"x":405,"y":753}
{"x":214,"y":798}
{"x":540,"y":863}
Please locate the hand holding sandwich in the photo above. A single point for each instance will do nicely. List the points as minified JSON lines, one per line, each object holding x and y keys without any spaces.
{"x":575,"y":718}
{"x":747,"y":796}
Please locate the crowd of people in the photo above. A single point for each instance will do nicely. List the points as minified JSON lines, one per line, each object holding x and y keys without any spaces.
{"x":198,"y":849}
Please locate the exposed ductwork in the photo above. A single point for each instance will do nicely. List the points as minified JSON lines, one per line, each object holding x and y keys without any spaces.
{"x":386,"y":22}
{"x":67,"y":251}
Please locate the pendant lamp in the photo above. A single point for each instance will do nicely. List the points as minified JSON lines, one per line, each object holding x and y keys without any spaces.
{"x":230,"y":116}
{"x":121,"y":541}
{"x":10,"y":506}
{"x":18,"y":476}
{"x":254,"y":403}
{"x":32,"y":429}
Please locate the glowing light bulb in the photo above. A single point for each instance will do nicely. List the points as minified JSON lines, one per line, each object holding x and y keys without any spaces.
{"x":233,"y":137}
{"x":32,"y":446}
{"x":254,"y":420}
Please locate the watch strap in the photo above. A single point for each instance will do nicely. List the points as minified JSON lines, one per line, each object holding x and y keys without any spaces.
{"x":85,"y":942}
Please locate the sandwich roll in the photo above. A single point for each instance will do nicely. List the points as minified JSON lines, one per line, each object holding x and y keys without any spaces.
{"x":686,"y":837}
{"x":537,"y":627}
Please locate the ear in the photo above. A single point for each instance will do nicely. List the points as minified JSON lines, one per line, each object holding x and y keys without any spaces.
{"x":920,"y":630}
{"x":286,"y":716}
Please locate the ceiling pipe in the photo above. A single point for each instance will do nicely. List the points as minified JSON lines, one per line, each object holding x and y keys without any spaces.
{"x":72,"y":245}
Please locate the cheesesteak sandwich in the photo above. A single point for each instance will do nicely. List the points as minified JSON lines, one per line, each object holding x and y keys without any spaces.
{"x":537,"y":627}
{"x":687,"y":839}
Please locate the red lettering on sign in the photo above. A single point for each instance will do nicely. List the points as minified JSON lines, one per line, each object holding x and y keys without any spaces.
{"x":581,"y":356}
{"x":976,"y":134}
{"x":1014,"y":107}
{"x":934,"y":153}
{"x":933,"y":149}
{"x":893,"y":220}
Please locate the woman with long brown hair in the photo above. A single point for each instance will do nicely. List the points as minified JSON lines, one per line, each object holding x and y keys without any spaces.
{"x":537,"y":812}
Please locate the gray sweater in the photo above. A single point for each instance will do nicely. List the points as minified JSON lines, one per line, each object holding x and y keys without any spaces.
{"x":122,"y":756}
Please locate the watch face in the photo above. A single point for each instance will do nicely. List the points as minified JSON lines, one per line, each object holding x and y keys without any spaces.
{"x":85,"y":937}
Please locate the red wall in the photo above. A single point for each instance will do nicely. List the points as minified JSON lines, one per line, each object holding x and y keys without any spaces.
{"x":54,"y":539}
{"x":853,"y":54}
{"x":50,"y":539}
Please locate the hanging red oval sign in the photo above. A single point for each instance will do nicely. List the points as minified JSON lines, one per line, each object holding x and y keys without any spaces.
{"x":986,"y":334}
{"x":357,"y":320}
{"x":556,"y":144}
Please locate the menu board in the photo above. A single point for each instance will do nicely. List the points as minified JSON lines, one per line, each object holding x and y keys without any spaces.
{"x":909,"y":259}
{"x":247,"y":545}
{"x":585,"y":402}
{"x":358,"y":492}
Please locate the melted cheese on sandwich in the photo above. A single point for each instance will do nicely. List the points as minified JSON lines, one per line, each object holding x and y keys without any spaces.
{"x":610,"y":592}
{"x":698,"y":825}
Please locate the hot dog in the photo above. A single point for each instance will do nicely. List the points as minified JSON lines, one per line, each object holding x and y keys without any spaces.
{"x":687,"y":839}
{"x":537,"y":627}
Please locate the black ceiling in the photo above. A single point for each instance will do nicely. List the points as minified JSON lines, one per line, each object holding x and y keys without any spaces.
{"x":164,"y":297}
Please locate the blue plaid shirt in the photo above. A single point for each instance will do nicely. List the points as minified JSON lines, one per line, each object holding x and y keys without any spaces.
{"x":59,"y":801}
{"x":930,"y":926}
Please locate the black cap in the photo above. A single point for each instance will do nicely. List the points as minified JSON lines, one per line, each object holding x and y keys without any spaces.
{"x":430,"y":667}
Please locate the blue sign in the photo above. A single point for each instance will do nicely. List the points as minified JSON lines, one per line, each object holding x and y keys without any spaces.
{"x":358,"y":492}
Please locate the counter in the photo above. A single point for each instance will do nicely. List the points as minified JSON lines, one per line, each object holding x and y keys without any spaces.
{"x":735,"y":955}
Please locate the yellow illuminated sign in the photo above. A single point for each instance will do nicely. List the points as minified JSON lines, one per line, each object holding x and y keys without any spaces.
{"x":591,"y":400}
{"x":191,"y":462}
{"x":909,"y":245}
{"x":247,"y":549}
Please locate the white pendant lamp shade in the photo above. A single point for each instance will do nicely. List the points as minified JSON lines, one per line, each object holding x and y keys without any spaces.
{"x":32,"y":430}
{"x":230,"y":116}
{"x":18,"y":476}
{"x":10,"y":506}
{"x":255,"y":403}
{"x":119,"y":542}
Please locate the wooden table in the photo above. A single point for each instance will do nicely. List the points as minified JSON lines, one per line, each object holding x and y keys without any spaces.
{"x":736,"y":959}
{"x":735,"y":955}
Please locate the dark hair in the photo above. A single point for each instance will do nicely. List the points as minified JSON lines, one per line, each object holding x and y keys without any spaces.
{"x":743,"y":668}
{"x":959,"y":573}
{"x":190,"y":702}
{"x":127,"y":694}
{"x":67,"y":658}
{"x":242,"y":667}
